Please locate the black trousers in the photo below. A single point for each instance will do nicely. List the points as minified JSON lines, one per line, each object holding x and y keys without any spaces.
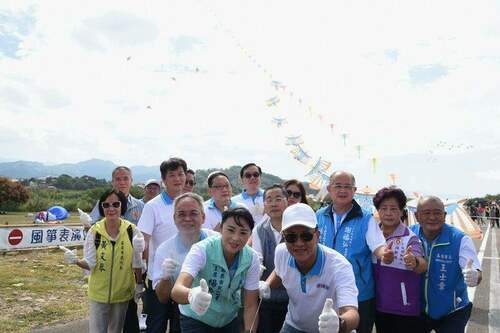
{"x":272,"y":316}
{"x":366,"y":311}
{"x":131,"y":319}
{"x":392,"y":323}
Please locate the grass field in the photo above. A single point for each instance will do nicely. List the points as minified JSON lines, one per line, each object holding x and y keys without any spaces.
{"x":37,"y":288}
{"x":23,"y":218}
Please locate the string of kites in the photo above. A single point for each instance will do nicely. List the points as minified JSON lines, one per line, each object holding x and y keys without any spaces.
{"x":318,"y":168}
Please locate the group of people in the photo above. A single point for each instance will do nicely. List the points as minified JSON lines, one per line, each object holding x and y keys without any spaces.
{"x":482,"y":213}
{"x":264,"y":261}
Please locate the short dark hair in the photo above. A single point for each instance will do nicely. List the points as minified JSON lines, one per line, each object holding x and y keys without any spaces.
{"x":246,"y":166}
{"x":172,"y":164}
{"x":275,"y":186}
{"x":190,"y":171}
{"x":301,"y":187}
{"x":215,"y":174}
{"x":119,"y":194}
{"x":387,"y":193}
{"x":238,"y":214}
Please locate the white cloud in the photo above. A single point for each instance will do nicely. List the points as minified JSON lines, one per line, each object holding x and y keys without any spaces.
{"x":136,"y":82}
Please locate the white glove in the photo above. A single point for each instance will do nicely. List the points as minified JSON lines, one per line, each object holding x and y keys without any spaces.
{"x":328,"y":319}
{"x":264,"y":290}
{"x":138,"y":243}
{"x":70,"y":256}
{"x":169,"y":268}
{"x":139,"y":290}
{"x":471,"y":276}
{"x":85,"y":218}
{"x":200,"y":298}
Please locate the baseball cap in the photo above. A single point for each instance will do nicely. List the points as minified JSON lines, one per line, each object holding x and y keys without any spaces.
{"x":298,"y":214}
{"x":153,"y":181}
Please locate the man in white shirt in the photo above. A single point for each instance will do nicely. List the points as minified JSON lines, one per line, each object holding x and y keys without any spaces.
{"x":319,"y":281}
{"x":265,"y":237}
{"x":252,"y":195}
{"x":188,"y":217}
{"x":157,"y":225}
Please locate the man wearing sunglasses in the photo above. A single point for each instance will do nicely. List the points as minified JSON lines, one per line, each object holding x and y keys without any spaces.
{"x":252,"y":195}
{"x":157,"y":225}
{"x":190,"y":181}
{"x":319,"y":281}
{"x":355,"y":234}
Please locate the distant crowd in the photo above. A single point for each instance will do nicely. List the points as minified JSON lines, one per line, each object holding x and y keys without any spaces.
{"x":264,"y":261}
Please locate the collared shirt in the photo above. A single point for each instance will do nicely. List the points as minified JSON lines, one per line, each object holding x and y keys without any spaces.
{"x":257,"y":244}
{"x":254,"y":203}
{"x":213,"y":215}
{"x":330,"y":277}
{"x":157,"y":220}
{"x":133,"y":213}
{"x":374,"y":236}
{"x":467,"y":252}
{"x":173,"y":248}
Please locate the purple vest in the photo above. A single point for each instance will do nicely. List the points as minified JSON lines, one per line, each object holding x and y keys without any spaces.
{"x":397,"y":289}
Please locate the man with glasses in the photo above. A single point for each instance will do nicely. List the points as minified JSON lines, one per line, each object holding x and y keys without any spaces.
{"x":190,"y":181}
{"x":252,"y":195}
{"x":265,"y":237}
{"x":121,"y":180}
{"x":319,"y":281}
{"x":220,"y":190}
{"x":453,"y":266}
{"x":355,"y":234}
{"x":157,"y":224}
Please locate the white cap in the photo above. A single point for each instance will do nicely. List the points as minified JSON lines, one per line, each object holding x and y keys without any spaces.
{"x":153,"y":181}
{"x":298,"y":214}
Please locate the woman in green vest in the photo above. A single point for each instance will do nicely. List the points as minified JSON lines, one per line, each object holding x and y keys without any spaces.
{"x":213,"y":276}
{"x":112,"y":254}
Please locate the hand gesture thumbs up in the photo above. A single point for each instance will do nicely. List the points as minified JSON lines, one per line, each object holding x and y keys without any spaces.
{"x":410,"y":259}
{"x":388,"y":255}
{"x":471,"y":276}
{"x":200,"y":298}
{"x":328,"y":319}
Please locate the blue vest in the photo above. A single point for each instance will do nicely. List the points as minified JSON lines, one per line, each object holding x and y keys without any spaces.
{"x":443,"y":287}
{"x":350,"y":241}
{"x":268,"y":243}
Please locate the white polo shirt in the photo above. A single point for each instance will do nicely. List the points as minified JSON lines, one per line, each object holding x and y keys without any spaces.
{"x":174,"y":248}
{"x":157,"y":220}
{"x":330,"y":277}
{"x":213,"y":215}
{"x":255,"y":204}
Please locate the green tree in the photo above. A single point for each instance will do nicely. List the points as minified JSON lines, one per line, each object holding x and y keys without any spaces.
{"x":12,"y":194}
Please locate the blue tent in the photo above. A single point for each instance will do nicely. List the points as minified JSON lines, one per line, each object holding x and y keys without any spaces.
{"x":60,"y":213}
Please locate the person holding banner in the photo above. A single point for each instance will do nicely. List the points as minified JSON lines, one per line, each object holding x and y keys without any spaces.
{"x":213,"y":275}
{"x":319,"y":281}
{"x":397,"y":285}
{"x":112,"y":253}
{"x":453,"y":266}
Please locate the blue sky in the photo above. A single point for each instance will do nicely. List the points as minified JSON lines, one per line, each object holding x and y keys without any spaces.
{"x":137,"y":82}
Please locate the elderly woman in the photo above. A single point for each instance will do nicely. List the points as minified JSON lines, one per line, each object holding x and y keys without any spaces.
{"x":213,"y":275}
{"x":112,"y":253}
{"x":296,"y":192}
{"x":397,"y":284}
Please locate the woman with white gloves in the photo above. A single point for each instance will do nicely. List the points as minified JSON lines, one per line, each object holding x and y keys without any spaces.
{"x":113,"y":255}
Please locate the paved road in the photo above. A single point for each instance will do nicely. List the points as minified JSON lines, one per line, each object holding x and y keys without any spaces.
{"x":485,"y":316}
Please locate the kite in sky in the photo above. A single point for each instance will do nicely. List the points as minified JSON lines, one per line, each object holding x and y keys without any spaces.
{"x":300,"y":154}
{"x":319,"y":167}
{"x":279,"y":121}
{"x":273,"y":101}
{"x":294,"y":140}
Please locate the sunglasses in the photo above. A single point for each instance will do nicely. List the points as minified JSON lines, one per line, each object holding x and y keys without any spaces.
{"x":115,"y":204}
{"x":190,"y":182}
{"x":296,"y":195}
{"x":293,"y":237}
{"x":250,"y":175}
